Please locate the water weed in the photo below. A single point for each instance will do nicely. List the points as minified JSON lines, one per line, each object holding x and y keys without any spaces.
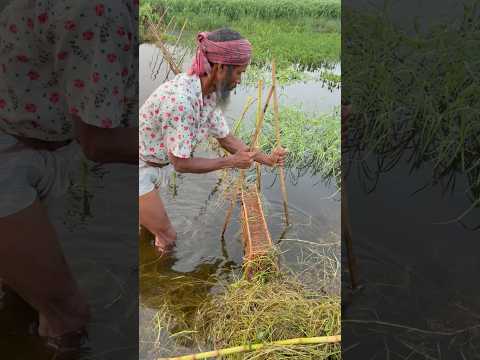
{"x":415,"y":96}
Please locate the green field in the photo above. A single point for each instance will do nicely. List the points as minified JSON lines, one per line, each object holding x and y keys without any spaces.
{"x":304,"y":33}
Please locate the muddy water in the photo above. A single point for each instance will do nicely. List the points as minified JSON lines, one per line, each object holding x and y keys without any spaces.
{"x":201,"y":257}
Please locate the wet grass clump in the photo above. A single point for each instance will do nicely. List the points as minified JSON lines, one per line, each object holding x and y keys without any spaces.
{"x":274,"y":303}
{"x":266,"y":309}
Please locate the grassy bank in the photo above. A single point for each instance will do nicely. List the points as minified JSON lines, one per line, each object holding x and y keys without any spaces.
{"x":305,"y":33}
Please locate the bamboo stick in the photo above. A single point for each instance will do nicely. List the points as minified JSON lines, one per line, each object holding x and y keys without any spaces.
{"x":281,"y":170}
{"x":230,"y":209}
{"x":258,"y":177}
{"x":235,"y":189}
{"x":255,"y":347}
{"x":258,"y":128}
{"x":165,"y":52}
{"x":259,"y":114}
{"x":249,"y":102}
{"x":260,"y":118}
{"x":178,"y":39}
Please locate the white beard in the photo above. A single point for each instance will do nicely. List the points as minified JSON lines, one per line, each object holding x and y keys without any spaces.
{"x":222,"y":96}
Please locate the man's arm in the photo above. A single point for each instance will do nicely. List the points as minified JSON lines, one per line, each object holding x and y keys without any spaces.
{"x":233,"y":144}
{"x":198,"y":165}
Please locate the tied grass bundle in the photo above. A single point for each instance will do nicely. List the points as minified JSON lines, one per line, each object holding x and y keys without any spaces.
{"x":268,"y":308}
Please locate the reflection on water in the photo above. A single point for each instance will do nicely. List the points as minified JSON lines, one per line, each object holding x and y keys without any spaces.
{"x":418,"y":267}
{"x":312,"y":96}
{"x":103,"y":259}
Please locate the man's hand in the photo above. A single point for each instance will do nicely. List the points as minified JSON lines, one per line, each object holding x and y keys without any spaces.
{"x":242,"y":159}
{"x":277,"y":156}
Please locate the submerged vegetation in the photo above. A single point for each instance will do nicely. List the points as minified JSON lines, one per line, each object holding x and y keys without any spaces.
{"x":416,"y":96}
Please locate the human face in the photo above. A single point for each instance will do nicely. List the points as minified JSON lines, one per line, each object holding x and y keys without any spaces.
{"x":228,"y":78}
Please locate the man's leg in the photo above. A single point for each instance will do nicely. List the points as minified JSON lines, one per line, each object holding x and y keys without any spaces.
{"x":32,"y":264}
{"x":153,"y":216}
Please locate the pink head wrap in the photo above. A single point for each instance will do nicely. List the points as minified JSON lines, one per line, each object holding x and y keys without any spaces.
{"x":233,"y":52}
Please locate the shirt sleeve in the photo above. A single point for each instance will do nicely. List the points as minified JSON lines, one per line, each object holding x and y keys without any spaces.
{"x":218,"y":127}
{"x":95,"y":53}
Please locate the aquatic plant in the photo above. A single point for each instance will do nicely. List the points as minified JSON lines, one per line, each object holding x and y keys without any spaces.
{"x":312,"y":140}
{"x":414,"y":96}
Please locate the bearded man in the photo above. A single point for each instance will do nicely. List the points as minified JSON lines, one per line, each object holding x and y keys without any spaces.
{"x":184,"y":111}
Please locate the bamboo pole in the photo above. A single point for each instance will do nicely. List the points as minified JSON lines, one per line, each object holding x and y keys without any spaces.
{"x":255,"y":347}
{"x":258,"y":128}
{"x":165,"y":52}
{"x":249,"y":102}
{"x":178,"y":39}
{"x":235,"y":188}
{"x":258,"y":177}
{"x":232,"y":206}
{"x":281,"y":170}
{"x":260,"y":116}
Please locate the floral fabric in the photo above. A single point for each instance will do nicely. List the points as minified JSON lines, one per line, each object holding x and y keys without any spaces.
{"x":176,"y":117}
{"x":67,"y":57}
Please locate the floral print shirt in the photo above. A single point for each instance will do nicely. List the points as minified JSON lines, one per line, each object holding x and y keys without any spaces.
{"x":176,"y":117}
{"x":67,"y":57}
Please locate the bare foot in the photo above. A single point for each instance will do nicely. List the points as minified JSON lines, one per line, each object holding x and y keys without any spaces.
{"x":165,"y":240}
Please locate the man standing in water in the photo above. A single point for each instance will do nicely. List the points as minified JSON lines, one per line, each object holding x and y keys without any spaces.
{"x":184,"y":111}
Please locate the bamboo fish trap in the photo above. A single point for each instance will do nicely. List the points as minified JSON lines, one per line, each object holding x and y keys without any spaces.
{"x":256,"y":236}
{"x":257,"y":241}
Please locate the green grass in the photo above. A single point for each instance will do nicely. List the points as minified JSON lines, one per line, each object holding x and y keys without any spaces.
{"x":313,"y":142}
{"x":303,"y":33}
{"x":260,"y":9}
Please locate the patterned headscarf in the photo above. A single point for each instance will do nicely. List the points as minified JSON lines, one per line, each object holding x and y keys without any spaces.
{"x":233,"y":52}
